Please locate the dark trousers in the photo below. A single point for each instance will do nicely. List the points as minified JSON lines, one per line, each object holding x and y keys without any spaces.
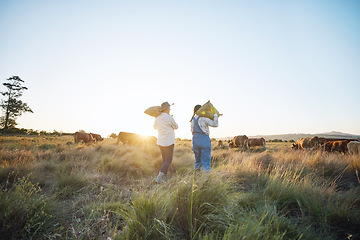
{"x":167,"y":156}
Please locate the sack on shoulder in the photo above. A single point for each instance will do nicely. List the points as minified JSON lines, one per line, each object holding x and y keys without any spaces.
{"x":207,"y":110}
{"x":153,"y":111}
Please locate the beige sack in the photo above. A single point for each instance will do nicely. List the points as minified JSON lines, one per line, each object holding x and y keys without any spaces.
{"x":207,"y":110}
{"x":153,"y":111}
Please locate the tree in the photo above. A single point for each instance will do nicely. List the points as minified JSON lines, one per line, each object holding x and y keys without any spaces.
{"x":13,"y":107}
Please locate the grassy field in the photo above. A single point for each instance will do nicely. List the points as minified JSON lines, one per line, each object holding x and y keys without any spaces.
{"x":52,"y":188}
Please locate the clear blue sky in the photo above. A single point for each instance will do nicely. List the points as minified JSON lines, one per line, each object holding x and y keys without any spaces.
{"x":270,"y":67}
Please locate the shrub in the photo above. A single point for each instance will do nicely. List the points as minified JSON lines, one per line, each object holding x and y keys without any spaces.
{"x":25,"y":212}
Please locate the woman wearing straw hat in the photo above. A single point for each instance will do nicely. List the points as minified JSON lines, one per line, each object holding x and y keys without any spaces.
{"x":201,"y":141}
{"x":165,"y":124}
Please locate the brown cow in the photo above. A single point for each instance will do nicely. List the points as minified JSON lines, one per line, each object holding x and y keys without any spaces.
{"x":126,"y":137}
{"x":295,"y":146}
{"x":240,"y":142}
{"x":336,"y":146}
{"x":97,"y":137}
{"x":257,"y":142}
{"x":135,"y":139}
{"x":85,"y":137}
{"x":306,"y":143}
{"x":220,"y":143}
{"x":324,"y":140}
{"x":354,"y":147}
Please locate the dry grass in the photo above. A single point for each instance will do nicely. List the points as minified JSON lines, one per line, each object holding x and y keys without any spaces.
{"x":107,"y":191}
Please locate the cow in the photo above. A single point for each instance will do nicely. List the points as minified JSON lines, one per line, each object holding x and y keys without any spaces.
{"x":336,"y":146}
{"x":241,"y":141}
{"x":220,"y":143}
{"x":97,"y":137}
{"x":85,"y":137}
{"x":126,"y":137}
{"x":295,"y":146}
{"x":257,"y":142}
{"x":354,"y":147}
{"x":135,"y":139}
{"x":324,"y":140}
{"x":307,"y":143}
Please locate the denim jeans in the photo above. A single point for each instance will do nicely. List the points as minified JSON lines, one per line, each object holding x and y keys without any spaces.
{"x":202,"y":150}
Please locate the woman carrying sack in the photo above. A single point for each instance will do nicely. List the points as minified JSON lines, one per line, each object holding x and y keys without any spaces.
{"x":201,"y":141}
{"x":165,"y":124}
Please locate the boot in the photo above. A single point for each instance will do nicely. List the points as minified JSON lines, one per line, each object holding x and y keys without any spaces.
{"x":160,"y":178}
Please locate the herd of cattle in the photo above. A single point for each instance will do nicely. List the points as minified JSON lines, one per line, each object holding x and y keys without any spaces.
{"x":245,"y":143}
{"x":328,"y":144}
{"x":87,"y":137}
{"x":241,"y":141}
{"x":351,"y":146}
{"x":315,"y":143}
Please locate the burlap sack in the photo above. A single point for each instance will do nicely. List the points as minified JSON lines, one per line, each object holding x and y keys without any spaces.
{"x":207,"y":110}
{"x":153,"y":111}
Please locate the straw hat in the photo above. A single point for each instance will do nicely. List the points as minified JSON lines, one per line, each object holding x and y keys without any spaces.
{"x":164,"y":106}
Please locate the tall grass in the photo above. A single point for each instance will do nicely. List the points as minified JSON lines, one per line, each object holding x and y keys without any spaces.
{"x":147,"y":217}
{"x":202,"y":205}
{"x":53,"y":188}
{"x":190,"y":208}
{"x":265,"y":222}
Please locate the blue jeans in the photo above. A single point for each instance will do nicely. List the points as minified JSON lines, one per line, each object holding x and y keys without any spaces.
{"x":202,"y":151}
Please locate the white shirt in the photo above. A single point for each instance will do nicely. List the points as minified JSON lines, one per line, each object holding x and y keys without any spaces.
{"x":204,"y":123}
{"x":165,"y":124}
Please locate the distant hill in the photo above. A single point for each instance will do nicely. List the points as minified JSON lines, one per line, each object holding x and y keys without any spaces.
{"x":295,"y":136}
